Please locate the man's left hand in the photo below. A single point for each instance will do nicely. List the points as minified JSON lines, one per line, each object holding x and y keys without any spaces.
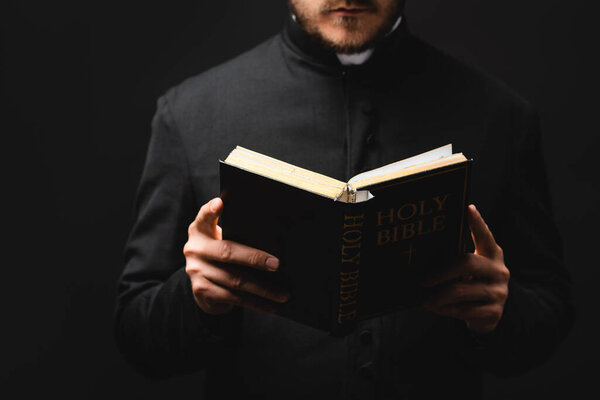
{"x":475,"y":289}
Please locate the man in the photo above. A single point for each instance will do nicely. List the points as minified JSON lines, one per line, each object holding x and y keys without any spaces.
{"x":344,"y":88}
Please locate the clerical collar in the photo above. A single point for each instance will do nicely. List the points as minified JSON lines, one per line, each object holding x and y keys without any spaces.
{"x":311,"y":51}
{"x":361,"y":58}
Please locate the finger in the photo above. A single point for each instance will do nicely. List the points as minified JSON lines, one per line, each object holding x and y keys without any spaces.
{"x":444,"y":274}
{"x":239,"y":280}
{"x":209,"y":297}
{"x":229,"y":252}
{"x":479,"y":317}
{"x":483,"y":239}
{"x":487,"y":322}
{"x":208,"y":216}
{"x":258,"y":304}
{"x":216,"y":299}
{"x":463,"y":292}
{"x":467,"y":268}
{"x":478,"y":312}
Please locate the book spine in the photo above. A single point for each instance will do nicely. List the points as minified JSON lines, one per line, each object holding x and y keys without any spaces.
{"x":348,"y":279}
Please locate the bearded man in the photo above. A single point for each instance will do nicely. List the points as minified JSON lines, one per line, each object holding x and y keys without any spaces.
{"x":342,"y":89}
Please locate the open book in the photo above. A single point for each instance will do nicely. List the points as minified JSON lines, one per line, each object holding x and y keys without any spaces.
{"x":348,"y":250}
{"x":348,"y":192}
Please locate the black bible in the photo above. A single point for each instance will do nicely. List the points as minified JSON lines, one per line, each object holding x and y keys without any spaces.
{"x":348,"y":250}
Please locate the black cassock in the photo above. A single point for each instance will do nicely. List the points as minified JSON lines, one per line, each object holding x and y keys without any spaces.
{"x":291,"y":99}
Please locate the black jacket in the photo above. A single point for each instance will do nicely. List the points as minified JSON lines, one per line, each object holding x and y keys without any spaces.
{"x":291,"y":99}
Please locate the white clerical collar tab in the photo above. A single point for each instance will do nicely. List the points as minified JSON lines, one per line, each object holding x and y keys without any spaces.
{"x":355,"y":59}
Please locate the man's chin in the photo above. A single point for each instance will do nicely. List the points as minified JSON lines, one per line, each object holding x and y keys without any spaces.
{"x":350,"y":35}
{"x":351,"y":44}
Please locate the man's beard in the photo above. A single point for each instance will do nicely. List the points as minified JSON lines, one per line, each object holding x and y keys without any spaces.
{"x":360,"y":40}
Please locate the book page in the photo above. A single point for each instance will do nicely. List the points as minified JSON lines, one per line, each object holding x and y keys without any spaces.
{"x":390,"y":169}
{"x":284,"y":172}
{"x":415,"y":169}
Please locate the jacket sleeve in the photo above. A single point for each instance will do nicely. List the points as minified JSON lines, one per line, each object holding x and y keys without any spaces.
{"x":158,"y":326}
{"x":539,"y":311}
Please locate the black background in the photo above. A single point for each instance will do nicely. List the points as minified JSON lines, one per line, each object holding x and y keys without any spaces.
{"x":79,"y":85}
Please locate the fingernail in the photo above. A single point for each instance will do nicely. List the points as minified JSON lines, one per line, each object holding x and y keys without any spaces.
{"x":272,"y":263}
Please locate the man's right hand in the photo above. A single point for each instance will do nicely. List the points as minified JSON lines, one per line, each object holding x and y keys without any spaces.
{"x":218,"y":269}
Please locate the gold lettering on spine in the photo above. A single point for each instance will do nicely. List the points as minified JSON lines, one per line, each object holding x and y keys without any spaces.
{"x":352,"y":236}
{"x":348,"y":278}
{"x":353,"y":221}
{"x":350,"y":256}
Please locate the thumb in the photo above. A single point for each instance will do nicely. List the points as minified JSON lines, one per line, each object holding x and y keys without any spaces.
{"x":483,"y":239}
{"x":208,"y":216}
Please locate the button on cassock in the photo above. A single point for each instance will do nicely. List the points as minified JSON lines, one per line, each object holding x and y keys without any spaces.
{"x":366,"y":370}
{"x":366,"y":337}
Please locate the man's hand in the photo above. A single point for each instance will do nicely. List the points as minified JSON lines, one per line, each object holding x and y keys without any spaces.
{"x":476,"y":288}
{"x":219,"y":269}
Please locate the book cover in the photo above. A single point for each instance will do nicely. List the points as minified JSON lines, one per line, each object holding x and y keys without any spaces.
{"x":353,"y":256}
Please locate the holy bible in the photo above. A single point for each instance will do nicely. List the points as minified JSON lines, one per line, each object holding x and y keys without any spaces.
{"x":348,"y":250}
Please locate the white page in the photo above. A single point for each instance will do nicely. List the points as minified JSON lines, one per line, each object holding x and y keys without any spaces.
{"x":430,"y":155}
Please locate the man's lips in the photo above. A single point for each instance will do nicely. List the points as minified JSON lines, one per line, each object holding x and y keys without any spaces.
{"x":349,"y":11}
